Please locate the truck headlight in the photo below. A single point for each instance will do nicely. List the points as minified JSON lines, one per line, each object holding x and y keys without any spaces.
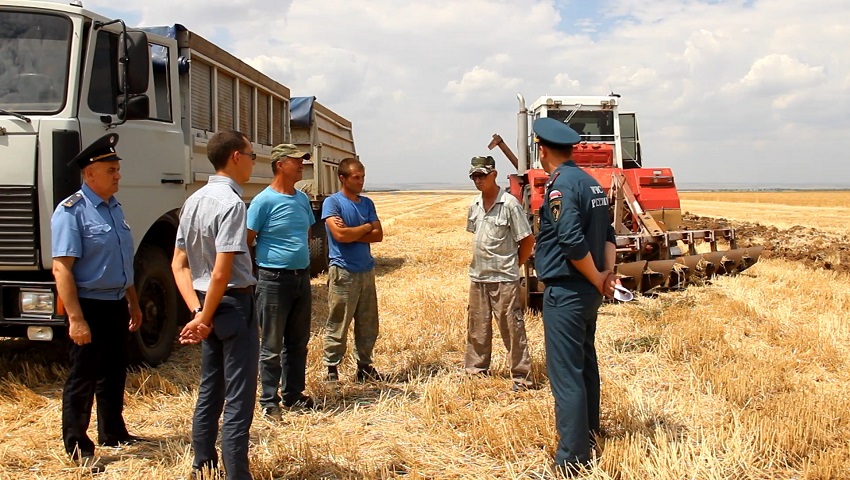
{"x":37,"y":302}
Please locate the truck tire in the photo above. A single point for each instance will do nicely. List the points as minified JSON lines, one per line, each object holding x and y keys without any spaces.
{"x":318,"y":244}
{"x":151,"y":344}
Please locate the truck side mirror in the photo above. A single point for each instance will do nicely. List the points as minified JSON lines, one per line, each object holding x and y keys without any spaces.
{"x":137,"y":107}
{"x":134,"y":59}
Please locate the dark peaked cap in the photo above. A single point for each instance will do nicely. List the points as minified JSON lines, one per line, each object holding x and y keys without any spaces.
{"x":555,"y":134}
{"x":102,"y":150}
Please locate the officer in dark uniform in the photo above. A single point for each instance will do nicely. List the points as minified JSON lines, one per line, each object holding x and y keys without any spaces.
{"x":93,"y":266}
{"x":574,"y":257}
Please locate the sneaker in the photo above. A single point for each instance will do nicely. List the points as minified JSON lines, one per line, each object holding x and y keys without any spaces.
{"x":301,"y":402}
{"x":333,"y":374}
{"x":368,"y":373}
{"x":271,"y":413}
{"x":90,"y":464}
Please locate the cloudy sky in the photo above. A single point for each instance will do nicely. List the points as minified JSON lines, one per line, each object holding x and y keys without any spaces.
{"x":727,"y":91}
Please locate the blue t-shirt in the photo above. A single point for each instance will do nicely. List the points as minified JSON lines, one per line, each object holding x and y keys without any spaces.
{"x":97,"y":235}
{"x":354,"y":256}
{"x":282,"y":223}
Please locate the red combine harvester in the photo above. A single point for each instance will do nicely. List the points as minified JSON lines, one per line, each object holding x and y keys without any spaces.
{"x":654,"y":252}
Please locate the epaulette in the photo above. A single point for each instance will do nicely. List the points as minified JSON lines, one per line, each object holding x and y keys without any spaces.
{"x":73,"y":199}
{"x":552,"y":179}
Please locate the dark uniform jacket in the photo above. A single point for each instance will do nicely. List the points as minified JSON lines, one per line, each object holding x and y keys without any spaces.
{"x":574,"y":220}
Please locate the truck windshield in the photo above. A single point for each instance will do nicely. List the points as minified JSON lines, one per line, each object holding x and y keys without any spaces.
{"x":34,"y":57}
{"x":590,"y":124}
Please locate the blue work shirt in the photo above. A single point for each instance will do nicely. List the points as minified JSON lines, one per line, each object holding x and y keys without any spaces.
{"x":353,"y":256}
{"x":282,"y":223}
{"x":97,"y":235}
{"x":574,"y":220}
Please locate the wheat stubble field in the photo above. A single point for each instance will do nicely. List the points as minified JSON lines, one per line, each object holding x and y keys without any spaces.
{"x":744,"y":378}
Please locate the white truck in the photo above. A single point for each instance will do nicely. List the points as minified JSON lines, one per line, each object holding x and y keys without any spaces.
{"x":68,"y":76}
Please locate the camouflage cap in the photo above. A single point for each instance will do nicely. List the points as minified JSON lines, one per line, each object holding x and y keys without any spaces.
{"x":484,"y":165}
{"x":288,"y":150}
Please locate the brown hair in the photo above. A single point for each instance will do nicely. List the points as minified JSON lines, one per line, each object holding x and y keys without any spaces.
{"x":222,"y":145}
{"x":347,"y":165}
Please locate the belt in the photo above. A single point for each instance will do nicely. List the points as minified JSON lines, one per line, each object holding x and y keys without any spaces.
{"x":286,"y":271}
{"x":239,"y":291}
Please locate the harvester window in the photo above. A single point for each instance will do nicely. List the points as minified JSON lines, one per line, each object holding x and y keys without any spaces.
{"x":594,"y":125}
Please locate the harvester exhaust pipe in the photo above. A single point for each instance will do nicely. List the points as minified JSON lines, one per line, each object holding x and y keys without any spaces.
{"x":522,"y":136}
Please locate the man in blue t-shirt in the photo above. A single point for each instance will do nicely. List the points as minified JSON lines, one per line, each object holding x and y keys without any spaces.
{"x":352,"y":224}
{"x":279,"y":219}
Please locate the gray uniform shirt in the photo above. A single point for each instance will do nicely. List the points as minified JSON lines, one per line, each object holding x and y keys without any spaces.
{"x":213,"y":220}
{"x":497,"y":234}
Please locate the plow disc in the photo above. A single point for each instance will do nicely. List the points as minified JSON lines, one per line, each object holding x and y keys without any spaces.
{"x":661,"y":275}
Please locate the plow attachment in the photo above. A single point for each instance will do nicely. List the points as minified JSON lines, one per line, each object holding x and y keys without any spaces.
{"x":661,"y":275}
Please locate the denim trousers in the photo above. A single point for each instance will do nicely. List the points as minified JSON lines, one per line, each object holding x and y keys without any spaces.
{"x":283,"y":305}
{"x":229,"y":384}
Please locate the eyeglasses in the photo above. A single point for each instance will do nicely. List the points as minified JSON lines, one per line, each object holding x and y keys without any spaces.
{"x":253,"y":155}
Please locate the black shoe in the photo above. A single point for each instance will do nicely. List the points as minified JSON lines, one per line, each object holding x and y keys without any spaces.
{"x":128,"y":440}
{"x":301,"y":402}
{"x":367,"y":373}
{"x":271,"y":413}
{"x":90,"y":464}
{"x":333,"y":374}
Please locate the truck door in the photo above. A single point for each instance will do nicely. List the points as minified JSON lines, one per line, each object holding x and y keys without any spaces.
{"x":152,"y":150}
{"x":630,"y":141}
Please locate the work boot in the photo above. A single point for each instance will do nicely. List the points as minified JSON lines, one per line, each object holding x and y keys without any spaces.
{"x":367,"y":373}
{"x":271,"y":413}
{"x":333,"y":374}
{"x":304,"y":402}
{"x":90,"y":464}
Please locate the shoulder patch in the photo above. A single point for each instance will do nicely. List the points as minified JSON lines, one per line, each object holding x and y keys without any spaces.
{"x":555,"y":208}
{"x":73,"y":199}
{"x":554,"y":194}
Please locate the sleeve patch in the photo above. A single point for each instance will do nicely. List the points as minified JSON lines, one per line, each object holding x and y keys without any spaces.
{"x":555,"y":194}
{"x":555,"y":208}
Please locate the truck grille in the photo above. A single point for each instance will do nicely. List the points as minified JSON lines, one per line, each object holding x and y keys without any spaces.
{"x":17,"y":226}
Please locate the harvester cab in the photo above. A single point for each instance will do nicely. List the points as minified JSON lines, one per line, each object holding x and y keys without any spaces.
{"x":654,"y":251}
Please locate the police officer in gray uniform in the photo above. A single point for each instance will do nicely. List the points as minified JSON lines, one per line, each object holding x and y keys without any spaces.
{"x":92,"y":249}
{"x":574,"y":257}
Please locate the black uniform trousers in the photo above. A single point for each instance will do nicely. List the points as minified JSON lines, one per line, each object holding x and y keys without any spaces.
{"x":97,"y":370}
{"x":569,"y":327}
{"x":229,"y":362}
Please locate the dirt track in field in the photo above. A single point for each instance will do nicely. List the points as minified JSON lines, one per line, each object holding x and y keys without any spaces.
{"x":809,"y":246}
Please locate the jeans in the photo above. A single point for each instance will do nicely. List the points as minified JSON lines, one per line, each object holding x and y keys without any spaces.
{"x":228,"y":383}
{"x":283,"y":305}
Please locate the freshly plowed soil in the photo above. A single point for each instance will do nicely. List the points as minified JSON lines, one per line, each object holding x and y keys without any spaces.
{"x":801,"y":244}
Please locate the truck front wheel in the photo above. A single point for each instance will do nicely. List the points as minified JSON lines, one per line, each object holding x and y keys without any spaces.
{"x":153,"y":342}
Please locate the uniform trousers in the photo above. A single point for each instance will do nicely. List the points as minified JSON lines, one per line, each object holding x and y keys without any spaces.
{"x":229,"y":360}
{"x":283,"y":303}
{"x":569,"y":326}
{"x":502,"y":300}
{"x":351,"y":295}
{"x":97,"y":370}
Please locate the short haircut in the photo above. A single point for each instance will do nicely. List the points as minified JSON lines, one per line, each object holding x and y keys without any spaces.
{"x":222,"y":145}
{"x":348,"y":165}
{"x":559,"y":150}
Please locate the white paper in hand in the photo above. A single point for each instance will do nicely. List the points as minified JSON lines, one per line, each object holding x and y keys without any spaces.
{"x":623,"y":294}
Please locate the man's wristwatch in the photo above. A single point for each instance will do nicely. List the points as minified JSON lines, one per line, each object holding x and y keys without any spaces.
{"x":195,"y":312}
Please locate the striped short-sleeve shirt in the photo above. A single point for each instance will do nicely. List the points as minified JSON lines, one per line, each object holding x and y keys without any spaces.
{"x":213,"y":220}
{"x":496,"y":236}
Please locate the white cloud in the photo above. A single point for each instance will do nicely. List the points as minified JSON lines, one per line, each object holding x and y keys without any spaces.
{"x":714,"y":83}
